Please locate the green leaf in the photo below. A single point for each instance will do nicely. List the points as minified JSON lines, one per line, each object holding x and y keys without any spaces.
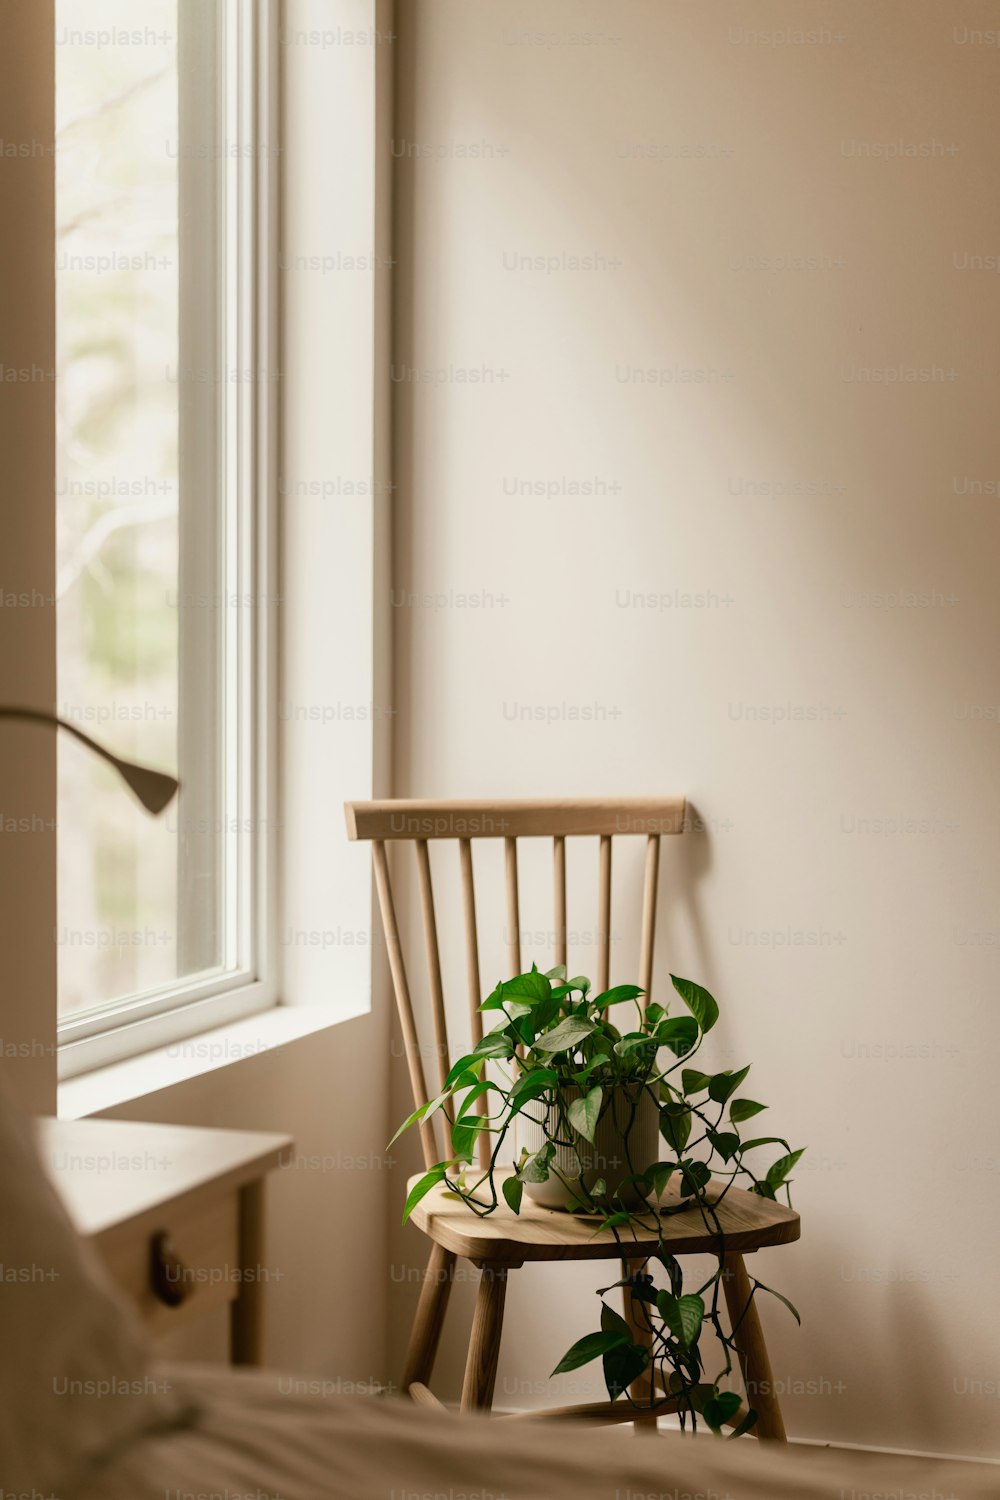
{"x":726,"y":1142}
{"x":536,"y":1168}
{"x":581,"y":983}
{"x":531,"y":1086}
{"x":779,"y":1172}
{"x":464,"y":1134}
{"x":470,"y":1063}
{"x":494,"y":1000}
{"x":476,"y":1092}
{"x":623,"y":1363}
{"x":428,"y":1110}
{"x":654,"y":1014}
{"x":614,"y":1221}
{"x":591,"y":1346}
{"x":659,"y":1176}
{"x":673,"y":1269}
{"x":636,"y":1050}
{"x":422,"y":1188}
{"x":721,"y":1408}
{"x":612,"y":1322}
{"x":675,"y":1125}
{"x":532,"y":986}
{"x":496,"y":1044}
{"x":692,"y":1081}
{"x":764,"y":1140}
{"x":791,"y":1307}
{"x":749,"y":1421}
{"x":698,"y":1001}
{"x":744,"y":1109}
{"x":616,"y":995}
{"x":559,"y":972}
{"x":695,"y":1176}
{"x":724,"y":1085}
{"x":682,"y":1315}
{"x":679,"y":1033}
{"x":584,"y":1113}
{"x":566,"y":1036}
{"x":410,"y":1120}
{"x":512,"y":1190}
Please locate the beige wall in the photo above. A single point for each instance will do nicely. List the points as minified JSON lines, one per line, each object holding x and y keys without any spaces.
{"x":27,"y":549}
{"x":773,"y":536}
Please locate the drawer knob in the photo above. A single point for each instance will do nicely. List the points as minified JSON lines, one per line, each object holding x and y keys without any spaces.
{"x":167,"y":1272}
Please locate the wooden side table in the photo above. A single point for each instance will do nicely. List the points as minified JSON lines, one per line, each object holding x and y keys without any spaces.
{"x":176,"y":1214}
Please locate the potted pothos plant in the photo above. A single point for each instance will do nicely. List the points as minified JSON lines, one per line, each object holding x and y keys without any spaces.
{"x":617,"y":1124}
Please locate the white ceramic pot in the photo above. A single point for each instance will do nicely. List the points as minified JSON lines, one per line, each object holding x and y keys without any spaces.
{"x":626,"y":1141}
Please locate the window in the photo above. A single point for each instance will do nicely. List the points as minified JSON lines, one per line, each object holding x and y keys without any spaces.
{"x":166,"y":377}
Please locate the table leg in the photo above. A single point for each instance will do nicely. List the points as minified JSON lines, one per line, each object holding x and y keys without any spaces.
{"x":246,"y":1313}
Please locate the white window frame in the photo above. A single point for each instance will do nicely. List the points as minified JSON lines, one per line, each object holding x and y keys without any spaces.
{"x":214,"y":998}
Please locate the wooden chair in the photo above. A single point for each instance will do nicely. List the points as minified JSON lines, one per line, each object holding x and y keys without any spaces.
{"x":503,"y":1242}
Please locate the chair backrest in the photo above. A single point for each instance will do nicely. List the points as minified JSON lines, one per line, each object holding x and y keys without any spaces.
{"x":418,"y":821}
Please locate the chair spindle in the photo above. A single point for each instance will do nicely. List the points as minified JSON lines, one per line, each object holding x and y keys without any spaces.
{"x":404,"y":1005}
{"x":604,"y":917}
{"x":472,"y":967}
{"x":559,"y":870}
{"x":433,"y":960}
{"x":649,"y":915}
{"x":513,"y":908}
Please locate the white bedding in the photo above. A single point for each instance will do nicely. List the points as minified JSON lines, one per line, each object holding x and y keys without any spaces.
{"x":248,"y":1440}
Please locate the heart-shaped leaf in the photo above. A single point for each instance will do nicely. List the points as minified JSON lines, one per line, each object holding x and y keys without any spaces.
{"x":422,"y":1188}
{"x":726,"y":1142}
{"x":724,"y":1085}
{"x":698,"y":1001}
{"x":532,"y":986}
{"x":592,"y":1346}
{"x":721,"y":1408}
{"x":532,"y":1086}
{"x":679,"y":1033}
{"x":536,"y":1168}
{"x":566,"y":1036}
{"x":695,"y":1176}
{"x":623,"y":1363}
{"x":512,"y":1189}
{"x":496,"y":1044}
{"x":675,"y":1125}
{"x":583,"y":1114}
{"x":744,"y":1109}
{"x":778,"y":1173}
{"x":494,"y":1000}
{"x":616,"y":995}
{"x":682,"y":1315}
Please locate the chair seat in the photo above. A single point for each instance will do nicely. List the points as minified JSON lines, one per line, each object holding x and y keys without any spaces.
{"x":748,"y":1222}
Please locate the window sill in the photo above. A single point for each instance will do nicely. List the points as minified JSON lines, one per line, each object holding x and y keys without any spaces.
{"x":225,"y":1047}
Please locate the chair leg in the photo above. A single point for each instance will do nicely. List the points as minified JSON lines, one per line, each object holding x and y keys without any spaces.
{"x":637,"y":1319}
{"x":427,"y":1324}
{"x":752,"y":1351}
{"x":484,"y":1347}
